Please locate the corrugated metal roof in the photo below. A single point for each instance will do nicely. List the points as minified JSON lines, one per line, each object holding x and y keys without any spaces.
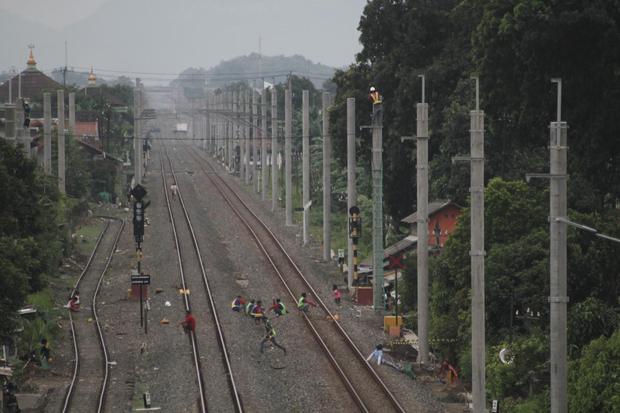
{"x":432,"y":208}
{"x":395,"y":248}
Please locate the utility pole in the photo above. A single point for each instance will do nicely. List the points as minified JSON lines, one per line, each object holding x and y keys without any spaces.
{"x":288,"y":170}
{"x":477,"y":252}
{"x":47,"y":133}
{"x":422,"y":224}
{"x":327,"y":179}
{"x":274,"y":148}
{"x":236,"y":141}
{"x":263,"y":143}
{"x":207,"y":144}
{"x":305,"y":127}
{"x":137,"y":146}
{"x":229,"y":130}
{"x":10,"y":87}
{"x":71,"y":114}
{"x":248,"y":153}
{"x":377,"y":209}
{"x":241,"y":127}
{"x":558,"y":299}
{"x":351,"y":172}
{"x":61,"y":140}
{"x":254,"y":139}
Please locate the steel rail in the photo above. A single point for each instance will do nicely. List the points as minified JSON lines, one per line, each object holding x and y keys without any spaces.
{"x":341,"y":330}
{"x":197,"y":364}
{"x":102,"y":392}
{"x":220,"y":334}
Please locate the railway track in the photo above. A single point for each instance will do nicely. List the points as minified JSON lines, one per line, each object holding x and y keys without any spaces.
{"x":211,"y":391}
{"x":365,"y":386}
{"x":92,"y":365}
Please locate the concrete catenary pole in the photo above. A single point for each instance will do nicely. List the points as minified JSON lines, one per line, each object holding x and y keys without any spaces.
{"x":207,"y":144}
{"x":254,"y":141}
{"x":137,"y":145}
{"x":305,"y":162}
{"x":235,"y":128}
{"x":247,"y":122}
{"x":229,"y":132}
{"x":71,"y":114}
{"x":422,"y":224}
{"x":477,"y":254}
{"x":351,"y":172}
{"x":263,"y":144}
{"x":327,"y":179}
{"x":558,"y":299}
{"x":377,"y":207}
{"x":288,"y":149}
{"x":61,"y":140}
{"x":241,"y":126}
{"x":274,"y":149}
{"x":47,"y":133}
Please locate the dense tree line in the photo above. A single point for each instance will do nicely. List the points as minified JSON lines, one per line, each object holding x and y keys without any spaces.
{"x":31,"y":237}
{"x":515,"y":47}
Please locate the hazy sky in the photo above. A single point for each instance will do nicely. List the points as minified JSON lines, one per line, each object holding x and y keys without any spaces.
{"x":171,"y":35}
{"x":53,"y":13}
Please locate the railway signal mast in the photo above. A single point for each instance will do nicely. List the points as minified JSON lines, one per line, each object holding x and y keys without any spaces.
{"x":139,"y":192}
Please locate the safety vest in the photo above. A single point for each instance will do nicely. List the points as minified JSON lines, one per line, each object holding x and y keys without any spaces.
{"x":235,"y":303}
{"x":375,"y":97}
{"x":282,"y":307}
{"x":301,"y":302}
{"x":249,"y":307}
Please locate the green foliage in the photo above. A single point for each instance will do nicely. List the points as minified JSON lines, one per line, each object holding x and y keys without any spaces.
{"x":43,"y":325}
{"x":78,"y":175}
{"x":528,"y":369}
{"x":594,"y":384}
{"x":30,"y":237}
{"x":589,"y":320}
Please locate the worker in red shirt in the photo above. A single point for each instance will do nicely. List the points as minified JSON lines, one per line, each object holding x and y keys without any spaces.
{"x":258,"y":312}
{"x":189,"y":322}
{"x":278,"y":307}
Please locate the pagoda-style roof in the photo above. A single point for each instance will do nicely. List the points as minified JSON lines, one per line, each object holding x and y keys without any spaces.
{"x":34,"y":83}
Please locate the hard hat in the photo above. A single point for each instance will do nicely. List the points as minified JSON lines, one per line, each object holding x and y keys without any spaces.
{"x":372,"y":88}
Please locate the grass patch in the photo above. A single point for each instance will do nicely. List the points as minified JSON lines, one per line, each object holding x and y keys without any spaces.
{"x":86,"y":236}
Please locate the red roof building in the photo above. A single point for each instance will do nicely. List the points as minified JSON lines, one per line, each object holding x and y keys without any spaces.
{"x":442,"y":218}
{"x":86,"y":130}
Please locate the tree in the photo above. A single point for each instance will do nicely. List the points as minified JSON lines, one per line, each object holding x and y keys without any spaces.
{"x":593,"y":379}
{"x":30,"y":245}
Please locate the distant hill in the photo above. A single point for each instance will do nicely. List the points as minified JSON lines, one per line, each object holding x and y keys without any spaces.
{"x":254,"y":66}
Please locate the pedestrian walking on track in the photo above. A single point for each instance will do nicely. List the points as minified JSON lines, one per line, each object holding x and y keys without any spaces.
{"x":189,"y":322}
{"x":270,"y":337}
